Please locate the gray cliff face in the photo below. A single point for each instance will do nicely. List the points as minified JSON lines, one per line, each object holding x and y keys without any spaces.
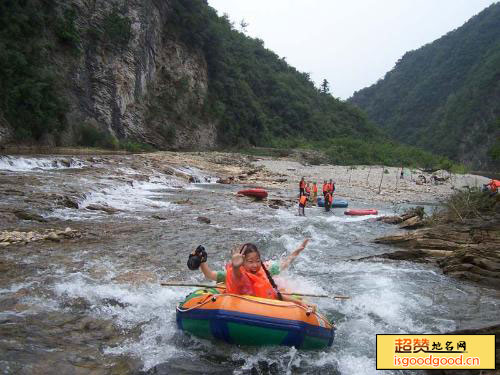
{"x":149,"y":87}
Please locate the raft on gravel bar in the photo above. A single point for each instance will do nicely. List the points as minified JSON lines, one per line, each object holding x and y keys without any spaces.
{"x":246,"y":320}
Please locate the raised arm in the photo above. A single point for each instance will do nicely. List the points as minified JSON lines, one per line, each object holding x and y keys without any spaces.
{"x":209,"y":274}
{"x":289,"y":259}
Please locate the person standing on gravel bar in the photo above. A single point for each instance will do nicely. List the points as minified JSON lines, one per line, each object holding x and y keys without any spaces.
{"x":302,"y":205}
{"x":302,"y":186}
{"x":325,"y":188}
{"x":314,"y":196}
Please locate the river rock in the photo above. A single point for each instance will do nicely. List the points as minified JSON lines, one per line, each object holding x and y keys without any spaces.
{"x":411,"y":223}
{"x":53,"y":237}
{"x":26,"y":215}
{"x":159,"y":217}
{"x":203,"y":219}
{"x":102,"y":207}
{"x":70,"y":202}
{"x":469,"y":250}
{"x":390,"y":219}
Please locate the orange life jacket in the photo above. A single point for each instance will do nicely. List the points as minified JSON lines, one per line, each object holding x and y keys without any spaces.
{"x":302,"y":184}
{"x":303,"y":200}
{"x":325,"y":188}
{"x":315,"y":188}
{"x":308,"y":189}
{"x":253,"y":284}
{"x":494,"y":185}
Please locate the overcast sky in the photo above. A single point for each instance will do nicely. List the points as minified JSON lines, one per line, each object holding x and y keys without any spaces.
{"x":350,"y":43}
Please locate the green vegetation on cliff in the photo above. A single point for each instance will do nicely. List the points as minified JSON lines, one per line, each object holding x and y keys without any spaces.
{"x":445,"y":96}
{"x":29,"y":98}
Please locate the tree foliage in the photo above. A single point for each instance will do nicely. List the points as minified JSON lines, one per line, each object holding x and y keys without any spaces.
{"x":29,"y":96}
{"x":444,"y":96}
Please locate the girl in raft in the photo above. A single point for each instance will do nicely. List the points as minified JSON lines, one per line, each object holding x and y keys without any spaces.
{"x":248,"y":274}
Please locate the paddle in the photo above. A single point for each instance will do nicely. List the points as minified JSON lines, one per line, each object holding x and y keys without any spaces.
{"x":172,"y":283}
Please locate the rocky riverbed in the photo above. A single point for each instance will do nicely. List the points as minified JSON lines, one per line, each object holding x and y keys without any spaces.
{"x":85,"y":239}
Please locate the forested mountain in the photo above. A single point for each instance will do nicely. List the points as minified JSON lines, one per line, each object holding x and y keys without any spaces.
{"x":445,"y":96}
{"x":170,"y":74}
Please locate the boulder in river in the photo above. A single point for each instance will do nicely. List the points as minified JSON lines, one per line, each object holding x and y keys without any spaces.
{"x":411,"y":223}
{"x":102,"y":207}
{"x":203,"y":219}
{"x":27,"y":215}
{"x":468,"y":250}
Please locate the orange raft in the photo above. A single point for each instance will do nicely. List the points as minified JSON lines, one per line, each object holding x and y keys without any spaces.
{"x":246,"y":320}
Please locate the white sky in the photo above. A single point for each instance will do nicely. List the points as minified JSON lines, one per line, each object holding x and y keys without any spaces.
{"x":351,"y":43}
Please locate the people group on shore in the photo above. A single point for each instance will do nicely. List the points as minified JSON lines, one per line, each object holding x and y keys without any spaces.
{"x":310,"y":194}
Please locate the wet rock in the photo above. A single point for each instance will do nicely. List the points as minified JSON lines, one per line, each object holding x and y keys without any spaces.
{"x":194,"y":180}
{"x":203,"y":219}
{"x":102,"y":207}
{"x":184,"y":201}
{"x":26,"y":215}
{"x":159,"y":217}
{"x":416,"y":211}
{"x":78,"y":303}
{"x":274,"y":206}
{"x":114,"y":302}
{"x":226,"y":181}
{"x":411,"y":223}
{"x":469,"y":250}
{"x":54,"y":237}
{"x":390,"y":219}
{"x":69,"y":202}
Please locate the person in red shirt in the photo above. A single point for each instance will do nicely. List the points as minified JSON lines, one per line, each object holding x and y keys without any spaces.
{"x":325,"y":188}
{"x":302,"y":186}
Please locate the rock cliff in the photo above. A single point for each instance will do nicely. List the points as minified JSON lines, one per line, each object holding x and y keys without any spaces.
{"x":130,"y":77}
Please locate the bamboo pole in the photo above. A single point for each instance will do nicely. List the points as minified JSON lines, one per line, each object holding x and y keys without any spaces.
{"x":222,"y":286}
{"x":381,"y":178}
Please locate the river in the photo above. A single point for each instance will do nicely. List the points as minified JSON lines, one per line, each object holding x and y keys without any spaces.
{"x":93,"y":305}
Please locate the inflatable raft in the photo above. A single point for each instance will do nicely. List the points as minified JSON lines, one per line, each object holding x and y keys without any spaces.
{"x":336,"y":203}
{"x":246,"y":320}
{"x":257,"y":193}
{"x":360,"y":212}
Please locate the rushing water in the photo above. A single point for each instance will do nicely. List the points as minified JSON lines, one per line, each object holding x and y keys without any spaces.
{"x":155,"y":228}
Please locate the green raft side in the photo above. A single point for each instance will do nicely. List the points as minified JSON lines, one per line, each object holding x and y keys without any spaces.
{"x":244,"y":334}
{"x":198,"y":327}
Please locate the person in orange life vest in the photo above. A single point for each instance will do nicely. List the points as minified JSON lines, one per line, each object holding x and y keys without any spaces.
{"x":325,"y":188}
{"x":328,"y":201}
{"x":302,"y":205}
{"x":493,"y":186}
{"x":332,"y":186}
{"x":307,"y":190}
{"x":314,"y":197}
{"x":302,"y":186}
{"x":247,"y":274}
